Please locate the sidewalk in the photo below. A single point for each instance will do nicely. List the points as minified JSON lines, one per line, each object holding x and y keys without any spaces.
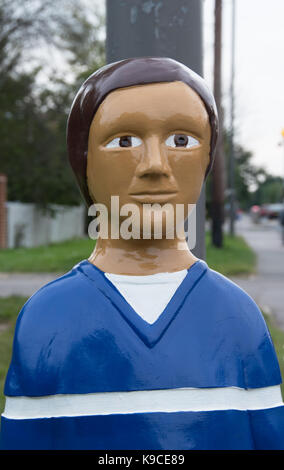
{"x":23,"y":284}
{"x":266,"y":287}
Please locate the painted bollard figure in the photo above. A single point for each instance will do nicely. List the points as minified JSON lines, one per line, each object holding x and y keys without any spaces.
{"x":142,"y":346}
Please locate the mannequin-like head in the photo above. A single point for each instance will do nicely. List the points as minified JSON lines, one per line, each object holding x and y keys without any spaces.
{"x":145,"y":130}
{"x":161,"y":91}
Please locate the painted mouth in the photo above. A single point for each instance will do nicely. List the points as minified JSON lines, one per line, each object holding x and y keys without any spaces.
{"x":152,"y":197}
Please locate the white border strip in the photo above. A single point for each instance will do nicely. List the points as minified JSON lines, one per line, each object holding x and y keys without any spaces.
{"x":172,"y":400}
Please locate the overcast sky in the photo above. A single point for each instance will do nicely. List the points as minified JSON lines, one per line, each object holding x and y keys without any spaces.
{"x":259,"y":83}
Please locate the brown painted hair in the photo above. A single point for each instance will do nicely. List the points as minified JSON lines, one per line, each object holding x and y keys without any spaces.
{"x":125,"y":73}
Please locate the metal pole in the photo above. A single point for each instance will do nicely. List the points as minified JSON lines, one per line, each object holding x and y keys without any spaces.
{"x":3,"y":211}
{"x":282,"y":133}
{"x":282,"y":198}
{"x":218,"y":183}
{"x":231,"y":154}
{"x":161,"y":28}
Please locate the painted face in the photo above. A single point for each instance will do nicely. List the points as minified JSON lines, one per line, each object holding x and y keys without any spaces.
{"x":149,"y":144}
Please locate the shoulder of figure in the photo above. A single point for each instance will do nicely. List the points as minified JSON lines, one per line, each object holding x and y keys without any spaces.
{"x":57,"y":298}
{"x":47,"y":325}
{"x":240,"y":318}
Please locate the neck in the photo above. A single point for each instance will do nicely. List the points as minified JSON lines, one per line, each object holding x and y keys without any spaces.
{"x":141,"y":257}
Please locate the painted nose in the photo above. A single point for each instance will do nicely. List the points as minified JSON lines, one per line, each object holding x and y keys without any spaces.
{"x":154,"y":161}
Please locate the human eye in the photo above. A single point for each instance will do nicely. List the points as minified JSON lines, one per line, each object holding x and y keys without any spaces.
{"x":181,"y":140}
{"x":124,"y":141}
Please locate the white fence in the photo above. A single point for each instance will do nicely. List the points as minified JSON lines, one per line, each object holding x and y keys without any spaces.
{"x":30,"y":226}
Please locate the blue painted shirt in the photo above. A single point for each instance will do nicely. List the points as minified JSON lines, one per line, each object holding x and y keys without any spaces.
{"x":79,"y":336}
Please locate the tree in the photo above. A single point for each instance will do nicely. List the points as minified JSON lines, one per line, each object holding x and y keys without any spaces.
{"x":252,"y":183}
{"x":33,"y":116}
{"x":83,"y":39}
{"x":247,"y":175}
{"x":269,"y":191}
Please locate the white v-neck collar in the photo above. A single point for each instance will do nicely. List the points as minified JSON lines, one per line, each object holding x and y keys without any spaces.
{"x":148,"y":295}
{"x":149,"y":334}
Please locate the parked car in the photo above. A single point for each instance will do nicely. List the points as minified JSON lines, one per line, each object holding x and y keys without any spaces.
{"x":272,"y":211}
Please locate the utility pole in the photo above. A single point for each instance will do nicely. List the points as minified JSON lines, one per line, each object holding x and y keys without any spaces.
{"x":3,"y":211}
{"x":281,"y":215}
{"x":282,"y":143}
{"x":231,"y":136}
{"x":161,"y":28}
{"x":218,"y":170}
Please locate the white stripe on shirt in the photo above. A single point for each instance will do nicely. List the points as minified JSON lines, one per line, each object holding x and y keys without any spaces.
{"x":145,"y":401}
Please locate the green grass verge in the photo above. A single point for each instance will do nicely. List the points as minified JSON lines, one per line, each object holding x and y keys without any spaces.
{"x":278,"y":341}
{"x":56,"y":257}
{"x":10,"y":307}
{"x":234,"y":258}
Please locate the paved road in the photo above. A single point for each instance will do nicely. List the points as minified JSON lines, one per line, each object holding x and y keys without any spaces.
{"x":267,"y":285}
